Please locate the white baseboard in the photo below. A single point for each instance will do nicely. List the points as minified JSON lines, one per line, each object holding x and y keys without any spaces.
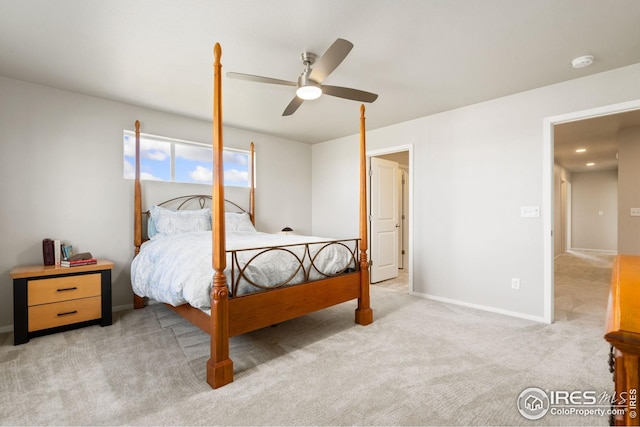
{"x":538,"y":319}
{"x":604,"y":251}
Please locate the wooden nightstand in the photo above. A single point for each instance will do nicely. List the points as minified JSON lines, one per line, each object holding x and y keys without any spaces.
{"x":48,"y":299}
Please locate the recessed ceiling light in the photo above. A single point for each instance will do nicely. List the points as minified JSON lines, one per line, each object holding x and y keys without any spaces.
{"x":590,"y":164}
{"x":581,"y":150}
{"x":582,"y":61}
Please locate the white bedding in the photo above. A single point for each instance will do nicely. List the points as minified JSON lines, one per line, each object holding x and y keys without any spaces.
{"x":176,"y":269}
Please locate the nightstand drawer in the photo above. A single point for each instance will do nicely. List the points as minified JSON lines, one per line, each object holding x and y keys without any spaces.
{"x":44,"y":291}
{"x":64,"y":313}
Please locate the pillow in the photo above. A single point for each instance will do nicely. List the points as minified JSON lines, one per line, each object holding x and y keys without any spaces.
{"x":238,"y":222}
{"x":151,"y":228}
{"x":167,"y":221}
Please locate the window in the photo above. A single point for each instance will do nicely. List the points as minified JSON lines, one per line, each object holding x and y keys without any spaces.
{"x":193,"y":164}
{"x":171,"y":160}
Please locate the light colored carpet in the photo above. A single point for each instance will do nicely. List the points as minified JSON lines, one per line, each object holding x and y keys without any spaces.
{"x":400,"y":283}
{"x":420,"y":363}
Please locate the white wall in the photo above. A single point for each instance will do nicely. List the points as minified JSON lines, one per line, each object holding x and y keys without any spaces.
{"x":594,"y":210}
{"x":61,"y":176}
{"x":474,"y":168}
{"x":629,"y":191}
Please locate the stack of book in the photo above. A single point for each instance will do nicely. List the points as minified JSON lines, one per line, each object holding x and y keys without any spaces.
{"x":79,"y":259}
{"x":78,"y":262}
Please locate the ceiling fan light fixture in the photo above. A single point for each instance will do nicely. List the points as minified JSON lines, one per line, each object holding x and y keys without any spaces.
{"x":309,"y":85}
{"x":307,"y":88}
{"x":309,"y":92}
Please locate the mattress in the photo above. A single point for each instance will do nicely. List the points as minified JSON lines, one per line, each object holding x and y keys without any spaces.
{"x":176,"y":269}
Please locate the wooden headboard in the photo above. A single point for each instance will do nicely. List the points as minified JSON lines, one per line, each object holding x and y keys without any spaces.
{"x":196,"y":201}
{"x":187,"y":202}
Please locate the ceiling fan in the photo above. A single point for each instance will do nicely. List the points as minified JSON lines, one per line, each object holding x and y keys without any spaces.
{"x":309,"y":85}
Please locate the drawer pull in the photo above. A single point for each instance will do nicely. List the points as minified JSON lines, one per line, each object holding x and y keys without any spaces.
{"x":67,"y":313}
{"x":75,"y":288}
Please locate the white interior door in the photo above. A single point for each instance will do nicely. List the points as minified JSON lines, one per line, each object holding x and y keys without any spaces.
{"x":384,"y":219}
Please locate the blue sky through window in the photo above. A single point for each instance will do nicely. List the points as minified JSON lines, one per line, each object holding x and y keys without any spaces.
{"x":192,"y":162}
{"x":155,"y":158}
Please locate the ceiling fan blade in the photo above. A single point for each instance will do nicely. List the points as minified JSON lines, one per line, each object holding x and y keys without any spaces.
{"x":330,"y":60}
{"x":293,"y":106}
{"x":260,"y":79}
{"x":348,"y":93}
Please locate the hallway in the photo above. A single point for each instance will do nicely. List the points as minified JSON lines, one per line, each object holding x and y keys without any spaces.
{"x":582,"y":281}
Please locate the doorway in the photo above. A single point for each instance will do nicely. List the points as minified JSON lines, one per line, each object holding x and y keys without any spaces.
{"x":549,"y":186}
{"x":401,"y":246}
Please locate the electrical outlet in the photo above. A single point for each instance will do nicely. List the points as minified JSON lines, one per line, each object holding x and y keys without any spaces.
{"x":515,"y":284}
{"x":635,"y":211}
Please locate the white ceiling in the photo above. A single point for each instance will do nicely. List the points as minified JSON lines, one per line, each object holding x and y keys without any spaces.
{"x":421,"y":56}
{"x":598,"y":136}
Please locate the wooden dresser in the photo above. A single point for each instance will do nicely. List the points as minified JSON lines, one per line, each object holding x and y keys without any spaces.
{"x":50,"y":299}
{"x":623,"y":333}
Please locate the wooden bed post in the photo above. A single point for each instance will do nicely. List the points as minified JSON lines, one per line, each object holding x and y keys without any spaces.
{"x":219,"y":366}
{"x":252,"y":191}
{"x":138,"y":302}
{"x":364,"y":314}
{"x":137,"y":197}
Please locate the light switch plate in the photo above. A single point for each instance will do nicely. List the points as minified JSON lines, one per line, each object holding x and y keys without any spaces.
{"x":529,"y":211}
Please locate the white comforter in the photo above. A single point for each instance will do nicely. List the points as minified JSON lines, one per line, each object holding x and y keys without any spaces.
{"x":176,"y":269}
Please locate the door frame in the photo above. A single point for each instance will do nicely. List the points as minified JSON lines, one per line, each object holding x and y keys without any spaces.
{"x":547,"y":189}
{"x":569,"y":239}
{"x":390,"y":150}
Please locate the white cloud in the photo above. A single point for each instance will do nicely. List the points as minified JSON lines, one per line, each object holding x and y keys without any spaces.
{"x":130,"y":173}
{"x":190,"y":152}
{"x":150,"y":177}
{"x":149,"y":148}
{"x":241,"y":159}
{"x":129,"y":146}
{"x":201,"y":174}
{"x":156,"y":155}
{"x":234,"y":175}
{"x":129,"y":170}
{"x":154,"y":150}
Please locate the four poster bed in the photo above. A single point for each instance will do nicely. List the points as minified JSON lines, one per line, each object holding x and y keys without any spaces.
{"x":246,"y":294}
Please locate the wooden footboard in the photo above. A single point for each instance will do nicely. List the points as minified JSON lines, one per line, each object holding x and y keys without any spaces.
{"x":250,"y":312}
{"x":255,"y":311}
